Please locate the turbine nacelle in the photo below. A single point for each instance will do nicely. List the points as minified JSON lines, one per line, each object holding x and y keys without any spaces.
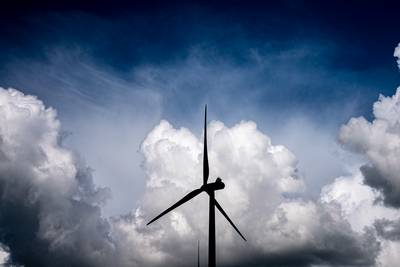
{"x":210,"y":187}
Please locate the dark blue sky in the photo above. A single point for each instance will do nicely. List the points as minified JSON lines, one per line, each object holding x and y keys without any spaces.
{"x":123,"y":33}
{"x":346,"y":48}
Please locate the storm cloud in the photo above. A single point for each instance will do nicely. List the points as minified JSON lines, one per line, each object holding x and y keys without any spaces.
{"x":51,"y":210}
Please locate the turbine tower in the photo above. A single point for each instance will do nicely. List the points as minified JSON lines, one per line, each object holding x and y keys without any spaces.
{"x":210,"y":189}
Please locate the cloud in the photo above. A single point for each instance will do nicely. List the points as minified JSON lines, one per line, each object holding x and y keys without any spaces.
{"x":369,"y":197}
{"x":50,"y":208}
{"x":262,"y":195}
{"x":357,"y":201}
{"x":51,"y":211}
{"x":3,"y":257}
{"x":358,"y":205}
{"x":397,"y":54}
{"x":390,"y":255}
{"x":379,"y":142}
{"x":389,"y":230}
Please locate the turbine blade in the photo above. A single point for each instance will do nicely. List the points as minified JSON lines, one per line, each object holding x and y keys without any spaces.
{"x":177,"y":204}
{"x":205,"y":153}
{"x":227,"y":217}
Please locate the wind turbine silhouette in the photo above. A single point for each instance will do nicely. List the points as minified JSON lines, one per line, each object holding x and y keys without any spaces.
{"x":210,"y":189}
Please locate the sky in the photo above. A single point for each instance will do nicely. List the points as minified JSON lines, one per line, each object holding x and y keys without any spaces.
{"x":101,"y":109}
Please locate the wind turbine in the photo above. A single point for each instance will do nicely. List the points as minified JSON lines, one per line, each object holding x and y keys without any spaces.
{"x":210,"y":189}
{"x":198,"y":253}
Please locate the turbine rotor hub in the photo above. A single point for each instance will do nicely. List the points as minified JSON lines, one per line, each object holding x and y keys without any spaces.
{"x":217,"y":185}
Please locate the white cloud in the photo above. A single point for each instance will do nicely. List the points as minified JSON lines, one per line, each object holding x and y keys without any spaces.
{"x":379,"y":142}
{"x":390,"y":255}
{"x":360,"y":195}
{"x":47,"y":194}
{"x":243,"y":157}
{"x":358,"y":206}
{"x":261,"y":182}
{"x":357,"y":201}
{"x":3,"y":256}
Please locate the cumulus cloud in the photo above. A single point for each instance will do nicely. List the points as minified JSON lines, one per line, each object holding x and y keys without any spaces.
{"x":368,"y":199}
{"x":358,"y":205}
{"x":51,"y":209}
{"x":379,"y":142}
{"x":357,"y":201}
{"x":262,"y":195}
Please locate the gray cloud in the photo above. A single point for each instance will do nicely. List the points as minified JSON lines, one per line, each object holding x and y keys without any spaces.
{"x":374,"y":178}
{"x":388,"y":229}
{"x":50,"y":209}
{"x":337,"y":245}
{"x":397,"y":54}
{"x":357,"y":203}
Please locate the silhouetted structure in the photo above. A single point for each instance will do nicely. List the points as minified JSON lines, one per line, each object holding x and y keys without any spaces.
{"x":210,"y":188}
